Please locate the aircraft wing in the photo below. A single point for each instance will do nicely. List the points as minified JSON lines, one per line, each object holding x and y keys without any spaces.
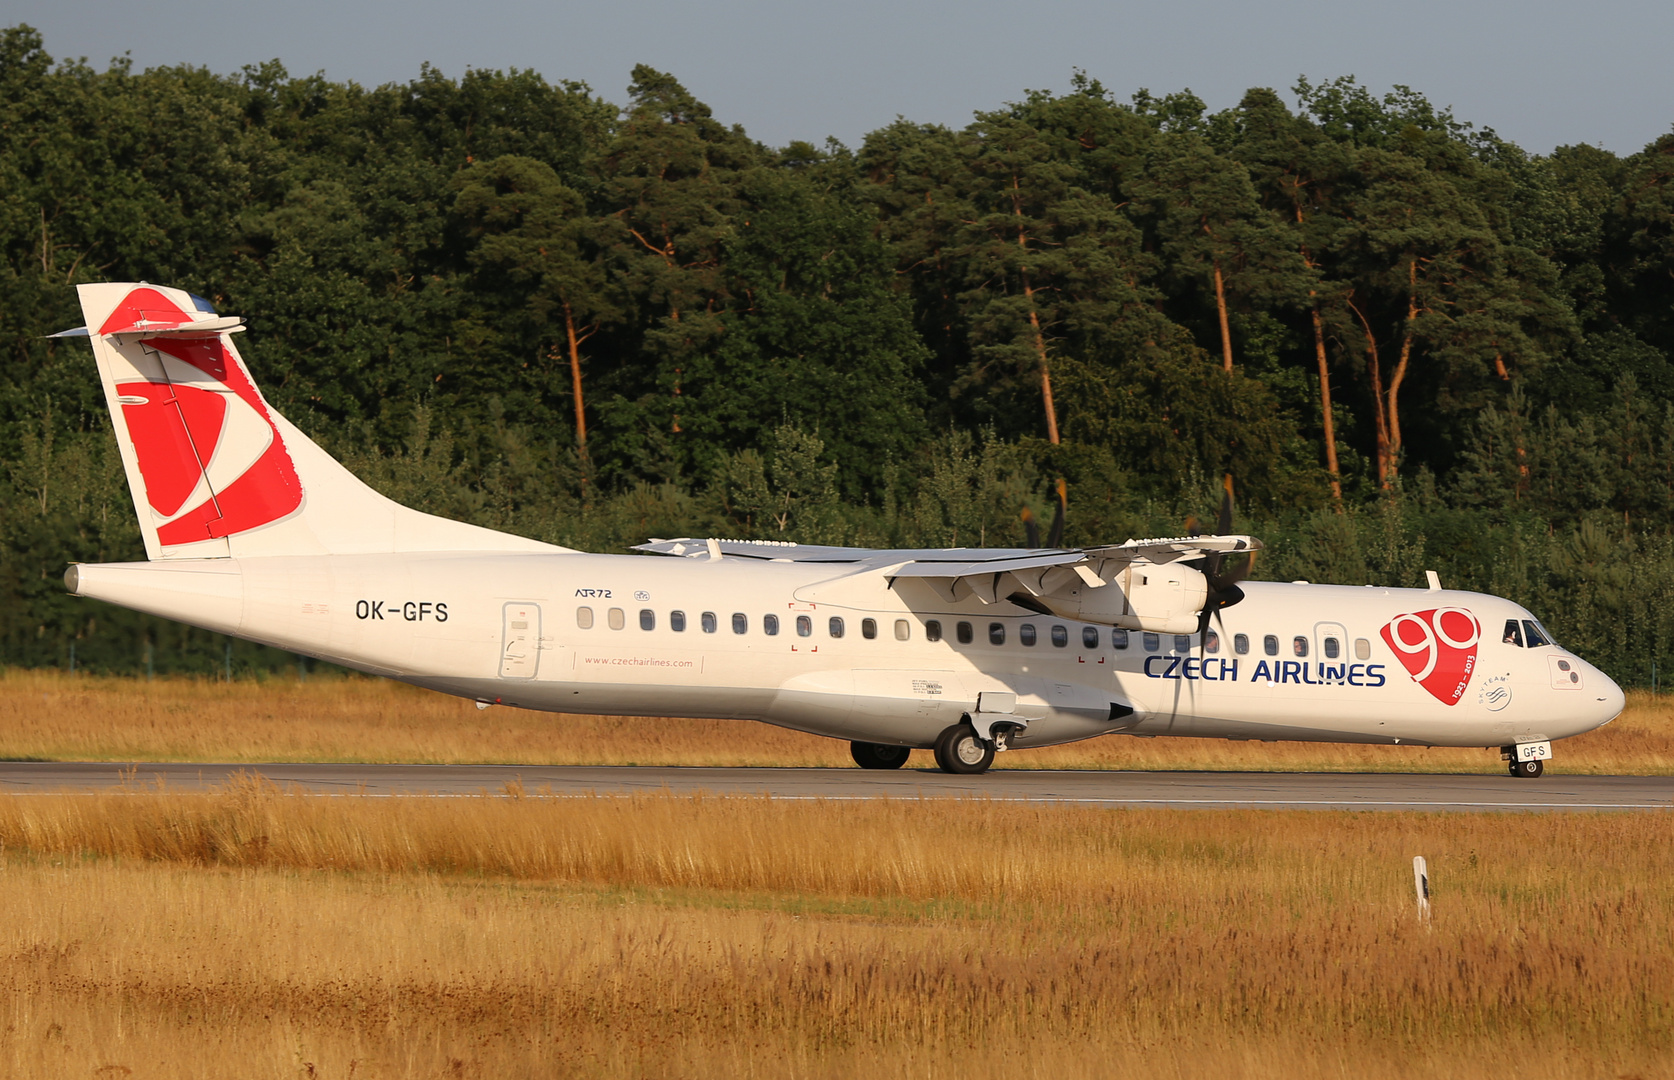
{"x":1042,"y":573}
{"x":956,"y":572}
{"x":788,"y":551}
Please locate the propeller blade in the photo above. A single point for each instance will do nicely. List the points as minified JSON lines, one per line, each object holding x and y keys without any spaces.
{"x":1223,"y":527}
{"x":1223,"y":583}
{"x":1212,"y":606}
{"x":1031,"y":531}
{"x":1055,"y":538}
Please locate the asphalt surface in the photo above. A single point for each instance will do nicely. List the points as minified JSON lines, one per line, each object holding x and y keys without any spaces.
{"x":1185,"y":790}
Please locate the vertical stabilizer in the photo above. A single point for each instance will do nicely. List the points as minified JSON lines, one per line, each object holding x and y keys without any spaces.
{"x":214,"y":471}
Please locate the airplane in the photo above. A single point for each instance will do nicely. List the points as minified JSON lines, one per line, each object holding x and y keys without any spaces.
{"x":251,"y":530}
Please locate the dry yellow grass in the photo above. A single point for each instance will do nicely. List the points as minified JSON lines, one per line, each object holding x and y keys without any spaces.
{"x":253,"y":934}
{"x":47,"y":715}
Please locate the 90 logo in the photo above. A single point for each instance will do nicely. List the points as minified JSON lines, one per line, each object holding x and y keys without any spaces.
{"x":1438,"y":649}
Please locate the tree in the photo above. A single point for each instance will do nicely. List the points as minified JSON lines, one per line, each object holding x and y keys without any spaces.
{"x":1299,"y":174}
{"x":1211,"y":227}
{"x":666,"y":196}
{"x":535,"y":231}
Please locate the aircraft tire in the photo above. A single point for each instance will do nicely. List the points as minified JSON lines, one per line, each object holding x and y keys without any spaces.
{"x":1527,"y":770}
{"x":958,"y":750}
{"x":871,"y":755}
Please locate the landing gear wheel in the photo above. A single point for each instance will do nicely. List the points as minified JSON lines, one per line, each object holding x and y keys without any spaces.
{"x":1528,"y":770}
{"x":958,"y":750}
{"x":871,"y":755}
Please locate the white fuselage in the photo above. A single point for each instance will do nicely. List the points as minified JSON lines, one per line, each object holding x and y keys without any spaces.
{"x":564,"y":632}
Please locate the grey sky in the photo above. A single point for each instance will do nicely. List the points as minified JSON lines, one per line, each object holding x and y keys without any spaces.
{"x":1542,"y":73}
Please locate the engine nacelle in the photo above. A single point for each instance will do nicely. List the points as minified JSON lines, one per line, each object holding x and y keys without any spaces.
{"x":1164,"y":599}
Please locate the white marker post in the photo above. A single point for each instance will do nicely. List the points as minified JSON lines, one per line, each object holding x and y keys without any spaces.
{"x":1421,"y":885}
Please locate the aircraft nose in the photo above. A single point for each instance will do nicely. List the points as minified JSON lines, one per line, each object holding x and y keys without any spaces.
{"x":1610,"y":700}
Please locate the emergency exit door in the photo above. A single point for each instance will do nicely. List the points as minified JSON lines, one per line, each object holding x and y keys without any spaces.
{"x":1331,"y":651}
{"x":520,"y":641}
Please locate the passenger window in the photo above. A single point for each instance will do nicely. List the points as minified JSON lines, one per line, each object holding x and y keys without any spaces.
{"x":677,"y":621}
{"x":1535,"y":637}
{"x":1153,"y":642}
{"x":996,"y":633}
{"x":707,"y":621}
{"x":1211,"y":642}
{"x":1299,"y":646}
{"x":1089,"y":637}
{"x":617,"y":618}
{"x":1118,"y":638}
{"x":932,"y":631}
{"x":804,"y":626}
{"x":1060,"y":637}
{"x":964,"y":633}
{"x":647,"y":619}
{"x":1026,"y":634}
{"x":1241,"y":644}
{"x":868,"y":628}
{"x":740,"y":623}
{"x":584,"y":617}
{"x":1362,"y":649}
{"x":770,"y":625}
{"x":1513,"y":634}
{"x":1270,"y":644}
{"x":903,"y":630}
{"x":834,"y":626}
{"x":1182,"y":643}
{"x":1333,"y":648}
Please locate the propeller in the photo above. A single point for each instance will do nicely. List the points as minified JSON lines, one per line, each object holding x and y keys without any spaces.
{"x":1223,"y":582}
{"x":1054,"y":536}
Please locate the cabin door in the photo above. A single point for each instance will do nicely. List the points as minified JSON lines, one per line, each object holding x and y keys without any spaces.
{"x":520,"y":641}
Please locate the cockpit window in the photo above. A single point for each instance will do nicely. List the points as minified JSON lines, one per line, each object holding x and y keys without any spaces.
{"x":1534,"y":634}
{"x":1513,"y":634}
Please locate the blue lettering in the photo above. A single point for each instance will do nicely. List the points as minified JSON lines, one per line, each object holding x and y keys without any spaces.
{"x":1333,"y":674}
{"x":1173,"y":667}
{"x":1302,"y":673}
{"x":1290,"y":671}
{"x":1262,"y":672}
{"x":1234,"y":675}
{"x":1355,"y":672}
{"x":1188,"y":669}
{"x":1375,"y":671}
{"x":1149,"y":674}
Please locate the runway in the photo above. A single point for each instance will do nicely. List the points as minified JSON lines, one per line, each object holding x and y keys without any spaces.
{"x":1182,"y":790}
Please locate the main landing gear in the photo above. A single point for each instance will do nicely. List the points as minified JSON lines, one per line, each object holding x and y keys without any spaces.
{"x":871,"y":755}
{"x":958,"y":750}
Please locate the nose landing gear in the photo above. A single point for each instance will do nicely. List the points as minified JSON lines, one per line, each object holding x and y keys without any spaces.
{"x":1527,"y":760}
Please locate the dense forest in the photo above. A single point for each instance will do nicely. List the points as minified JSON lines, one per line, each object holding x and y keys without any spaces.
{"x":1409,"y":343}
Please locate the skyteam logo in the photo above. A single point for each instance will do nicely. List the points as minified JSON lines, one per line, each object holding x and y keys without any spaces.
{"x":1438,"y":649}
